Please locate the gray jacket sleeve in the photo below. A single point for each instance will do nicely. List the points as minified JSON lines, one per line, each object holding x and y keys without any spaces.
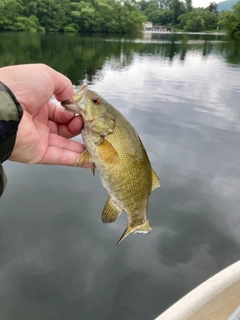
{"x":10,"y":116}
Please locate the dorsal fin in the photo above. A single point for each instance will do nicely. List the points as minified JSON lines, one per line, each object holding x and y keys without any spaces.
{"x":155,"y":181}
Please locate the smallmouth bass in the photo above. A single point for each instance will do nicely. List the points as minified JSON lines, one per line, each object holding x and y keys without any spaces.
{"x":120,"y":158}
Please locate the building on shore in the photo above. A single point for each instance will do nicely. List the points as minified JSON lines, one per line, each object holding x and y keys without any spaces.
{"x":148,"y":26}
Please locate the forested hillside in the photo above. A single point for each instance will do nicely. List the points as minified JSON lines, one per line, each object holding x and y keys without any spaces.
{"x":231,"y":19}
{"x":226,"y":5}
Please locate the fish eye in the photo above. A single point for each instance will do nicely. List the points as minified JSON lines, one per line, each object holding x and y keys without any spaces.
{"x":96,"y":100}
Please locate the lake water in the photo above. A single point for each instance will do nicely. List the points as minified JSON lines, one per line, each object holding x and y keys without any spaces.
{"x":182,"y":94}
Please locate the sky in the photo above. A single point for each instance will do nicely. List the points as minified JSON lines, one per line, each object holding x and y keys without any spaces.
{"x":204,"y":3}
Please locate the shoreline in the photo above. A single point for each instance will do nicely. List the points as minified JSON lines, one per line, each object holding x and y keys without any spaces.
{"x":183,"y":32}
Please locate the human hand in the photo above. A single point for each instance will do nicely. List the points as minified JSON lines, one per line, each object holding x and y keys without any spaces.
{"x":45,"y":128}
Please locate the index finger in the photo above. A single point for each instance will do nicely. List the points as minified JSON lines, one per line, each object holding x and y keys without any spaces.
{"x":63,"y":88}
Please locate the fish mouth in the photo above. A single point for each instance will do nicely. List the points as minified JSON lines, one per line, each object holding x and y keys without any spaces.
{"x":74,"y":104}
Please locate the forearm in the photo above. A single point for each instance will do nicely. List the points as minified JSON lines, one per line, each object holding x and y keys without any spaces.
{"x":10,"y":116}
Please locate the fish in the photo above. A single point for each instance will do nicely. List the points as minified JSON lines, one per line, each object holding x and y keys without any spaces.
{"x":116,"y":150}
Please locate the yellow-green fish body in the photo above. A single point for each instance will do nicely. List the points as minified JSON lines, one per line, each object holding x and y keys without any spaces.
{"x":115,"y":148}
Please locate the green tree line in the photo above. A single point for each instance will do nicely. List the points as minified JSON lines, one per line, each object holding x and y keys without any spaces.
{"x":65,"y":15}
{"x":122,"y":16}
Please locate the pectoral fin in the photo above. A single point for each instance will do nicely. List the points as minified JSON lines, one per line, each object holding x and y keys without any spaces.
{"x":143,"y":228}
{"x":155,"y":181}
{"x":110,"y":212}
{"x":83,"y":159}
{"x":107,"y":152}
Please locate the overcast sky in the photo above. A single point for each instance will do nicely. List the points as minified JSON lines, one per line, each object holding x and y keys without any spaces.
{"x":204,"y":3}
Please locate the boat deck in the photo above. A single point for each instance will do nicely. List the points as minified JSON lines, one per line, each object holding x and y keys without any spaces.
{"x":220,"y":307}
{"x":215,"y":299}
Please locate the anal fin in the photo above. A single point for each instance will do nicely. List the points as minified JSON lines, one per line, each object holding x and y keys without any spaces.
{"x":110,"y":212}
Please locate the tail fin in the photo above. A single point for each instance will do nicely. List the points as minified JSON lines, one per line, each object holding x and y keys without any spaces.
{"x":143,"y":228}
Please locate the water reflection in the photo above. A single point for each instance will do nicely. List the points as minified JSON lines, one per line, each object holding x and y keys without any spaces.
{"x":84,"y":56}
{"x":181,"y":93}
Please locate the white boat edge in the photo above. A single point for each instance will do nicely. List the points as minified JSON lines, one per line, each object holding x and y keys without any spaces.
{"x":194,"y":300}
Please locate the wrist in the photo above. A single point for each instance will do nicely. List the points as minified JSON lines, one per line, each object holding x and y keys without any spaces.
{"x":10,"y":116}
